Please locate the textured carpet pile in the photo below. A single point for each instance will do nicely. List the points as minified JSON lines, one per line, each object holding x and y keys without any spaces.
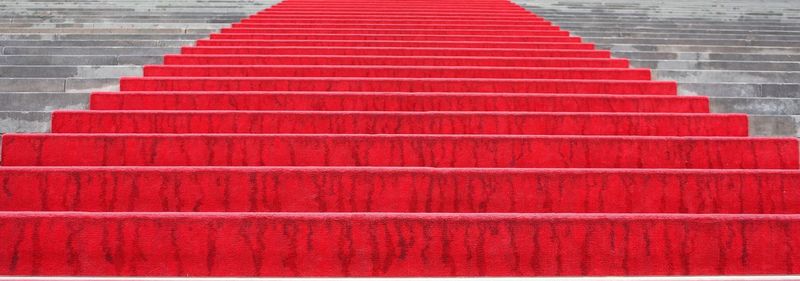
{"x":397,"y":138}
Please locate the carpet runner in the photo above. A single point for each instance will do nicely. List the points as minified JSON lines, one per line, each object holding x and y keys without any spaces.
{"x":397,"y":138}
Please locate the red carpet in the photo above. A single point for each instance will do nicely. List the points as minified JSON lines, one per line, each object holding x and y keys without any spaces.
{"x":382,"y":189}
{"x":402,"y":48}
{"x":397,"y":138}
{"x":397,"y":244}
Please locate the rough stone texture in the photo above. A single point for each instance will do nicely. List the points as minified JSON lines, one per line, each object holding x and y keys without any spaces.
{"x":744,"y":54}
{"x":739,"y":52}
{"x":53,"y":53}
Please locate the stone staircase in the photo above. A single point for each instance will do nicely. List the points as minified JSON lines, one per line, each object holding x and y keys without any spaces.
{"x":744,"y":54}
{"x":54,"y":53}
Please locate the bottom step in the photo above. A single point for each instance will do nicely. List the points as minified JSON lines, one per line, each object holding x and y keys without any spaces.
{"x":395,"y":244}
{"x":583,"y":278}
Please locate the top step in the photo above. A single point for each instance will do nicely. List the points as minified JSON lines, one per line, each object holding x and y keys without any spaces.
{"x":379,"y":20}
{"x":402,"y":16}
{"x":364,"y":26}
{"x":539,"y":31}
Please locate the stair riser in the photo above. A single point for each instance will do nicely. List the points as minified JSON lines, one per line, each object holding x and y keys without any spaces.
{"x":454,"y":31}
{"x":360,"y":48}
{"x":493,"y":12}
{"x":471,"y":9}
{"x":353,"y":20}
{"x":398,"y":150}
{"x":396,"y":102}
{"x":381,"y":60}
{"x":395,"y":71}
{"x":404,"y":3}
{"x":365,"y":27}
{"x":388,"y":7}
{"x":399,"y":16}
{"x":399,"y":7}
{"x":401,"y":37}
{"x":401,"y":190}
{"x":396,"y":123}
{"x":588,"y":48}
{"x":392,"y":6}
{"x":516,"y":13}
{"x":399,"y":85}
{"x":396,"y":245}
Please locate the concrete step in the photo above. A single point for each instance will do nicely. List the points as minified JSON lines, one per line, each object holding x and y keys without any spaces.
{"x":71,"y":85}
{"x":662,"y":12}
{"x":175,"y":13}
{"x":146,"y":51}
{"x":197,"y":25}
{"x":679,"y":28}
{"x":706,"y":56}
{"x":717,"y":65}
{"x":43,"y":101}
{"x":744,"y":54}
{"x":111,"y":14}
{"x":676,"y":29}
{"x":743,"y":89}
{"x":122,"y":11}
{"x":55,"y":52}
{"x":81,"y":71}
{"x":105,"y":8}
{"x":654,"y":21}
{"x":685,"y":36}
{"x":757,"y":106}
{"x":78,"y":11}
{"x":120,"y":20}
{"x":675,"y":20}
{"x":701,"y":42}
{"x":95,"y":43}
{"x":116,"y":36}
{"x":767,"y":116}
{"x":774,"y":125}
{"x":682,"y":48}
{"x":740,"y":76}
{"x":24,"y":121}
{"x":80,"y":59}
{"x":107,"y":30}
{"x":595,"y":16}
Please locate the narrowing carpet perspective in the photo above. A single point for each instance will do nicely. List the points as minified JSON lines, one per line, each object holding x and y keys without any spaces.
{"x":397,"y":138}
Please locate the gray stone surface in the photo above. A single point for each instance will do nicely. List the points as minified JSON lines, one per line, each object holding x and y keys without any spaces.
{"x":53,"y":53}
{"x":78,"y":60}
{"x":43,"y":101}
{"x":24,"y":121}
{"x":759,"y":106}
{"x":80,"y":51}
{"x":745,"y":54}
